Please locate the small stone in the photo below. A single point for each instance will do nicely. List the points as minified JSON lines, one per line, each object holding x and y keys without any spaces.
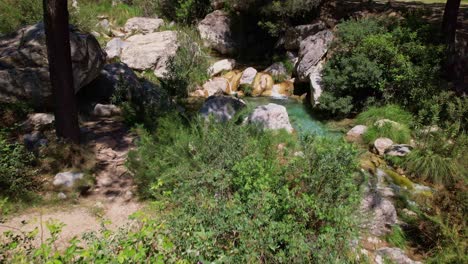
{"x":395,"y":255}
{"x":102,"y":110}
{"x":128,"y":195}
{"x":356,"y":133}
{"x":383,"y":122}
{"x":39,"y":120}
{"x":399,"y":150}
{"x":67,"y":179}
{"x":62,"y":196}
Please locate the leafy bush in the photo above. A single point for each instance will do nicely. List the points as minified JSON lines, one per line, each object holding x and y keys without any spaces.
{"x":16,"y":170}
{"x":229,"y":194}
{"x":189,"y":67}
{"x":397,"y":133}
{"x":18,"y":13}
{"x":379,"y":60}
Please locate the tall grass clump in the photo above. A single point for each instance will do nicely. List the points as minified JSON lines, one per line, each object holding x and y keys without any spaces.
{"x":18,"y":13}
{"x":391,"y":112}
{"x":228,"y":193}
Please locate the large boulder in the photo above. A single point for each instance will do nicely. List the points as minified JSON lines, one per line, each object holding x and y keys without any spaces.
{"x":233,"y":78}
{"x":24,"y":69}
{"x":277,"y":69}
{"x":398,"y":150}
{"x":150,"y":52}
{"x":143,"y":25}
{"x":114,"y":76}
{"x":215,"y":30}
{"x":220,"y":66}
{"x":271,"y":116}
{"x":311,"y":51}
{"x":295,"y":35}
{"x":315,"y":79}
{"x":222,"y":108}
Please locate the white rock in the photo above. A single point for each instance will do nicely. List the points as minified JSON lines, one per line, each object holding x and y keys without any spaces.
{"x":62,"y":196}
{"x":356,"y":132}
{"x":143,"y":25}
{"x":222,"y":65}
{"x":67,"y":179}
{"x":315,"y":78}
{"x":383,"y":122}
{"x":277,"y":69}
{"x":38,"y":120}
{"x":395,"y":255}
{"x":103,"y":110}
{"x":150,"y":52}
{"x":114,"y":48}
{"x":381,"y":213}
{"x":381,"y":145}
{"x":216,"y":86}
{"x":271,"y":116}
{"x":248,"y":76}
{"x":399,"y":150}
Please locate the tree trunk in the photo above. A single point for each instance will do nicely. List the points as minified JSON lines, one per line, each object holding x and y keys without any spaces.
{"x":60,"y":67}
{"x":449,"y":23}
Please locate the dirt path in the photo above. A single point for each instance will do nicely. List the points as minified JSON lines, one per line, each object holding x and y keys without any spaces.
{"x":111,"y":199}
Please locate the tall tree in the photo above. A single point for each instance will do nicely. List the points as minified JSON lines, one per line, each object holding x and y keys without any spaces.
{"x":60,"y":67}
{"x":449,"y":23}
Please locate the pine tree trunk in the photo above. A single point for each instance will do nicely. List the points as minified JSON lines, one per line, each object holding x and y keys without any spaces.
{"x":60,"y":67}
{"x":449,"y":23}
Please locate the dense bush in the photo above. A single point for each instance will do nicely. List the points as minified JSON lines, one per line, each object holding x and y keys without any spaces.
{"x":18,"y":13}
{"x":227,"y":193}
{"x":189,"y":68}
{"x":16,"y":170}
{"x":378,"y":60}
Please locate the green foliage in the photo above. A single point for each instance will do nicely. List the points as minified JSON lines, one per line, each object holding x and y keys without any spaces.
{"x":86,"y":16}
{"x":16,"y":171}
{"x":391,"y":112}
{"x":189,"y":67}
{"x":379,"y":60}
{"x":246,"y":88}
{"x":398,"y":133}
{"x":183,"y":11}
{"x":229,"y":194}
{"x":18,"y":13}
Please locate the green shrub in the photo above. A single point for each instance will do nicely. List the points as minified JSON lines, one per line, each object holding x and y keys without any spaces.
{"x":16,"y":170}
{"x":397,"y":237}
{"x":379,"y":60}
{"x":188,"y":69}
{"x":391,"y":112}
{"x":228,"y":194}
{"x":86,"y":16}
{"x":18,"y":13}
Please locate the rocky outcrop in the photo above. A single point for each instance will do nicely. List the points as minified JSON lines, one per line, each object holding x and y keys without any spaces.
{"x":222,"y":108}
{"x":271,"y":116}
{"x":315,"y":79}
{"x":150,"y":52}
{"x":311,"y":51}
{"x":220,"y":66}
{"x":216,"y":86}
{"x":24,"y":70}
{"x":280,"y":90}
{"x":277,"y":69}
{"x":381,"y":211}
{"x":233,"y":78}
{"x":295,"y":35}
{"x":143,"y":25}
{"x":215,"y":30}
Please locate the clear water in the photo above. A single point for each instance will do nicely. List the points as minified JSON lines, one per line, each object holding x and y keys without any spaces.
{"x":299,"y":115}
